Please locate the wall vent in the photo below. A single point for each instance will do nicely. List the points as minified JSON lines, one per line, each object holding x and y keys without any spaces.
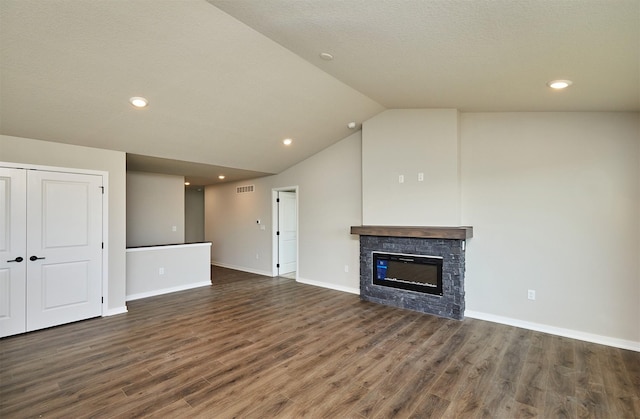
{"x":244,"y":189}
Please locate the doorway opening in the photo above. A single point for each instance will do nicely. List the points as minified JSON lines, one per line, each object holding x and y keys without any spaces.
{"x":285,"y":232}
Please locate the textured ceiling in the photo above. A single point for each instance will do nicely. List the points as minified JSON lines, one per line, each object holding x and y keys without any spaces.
{"x":476,"y":55}
{"x":228,"y":80}
{"x":219,"y":92}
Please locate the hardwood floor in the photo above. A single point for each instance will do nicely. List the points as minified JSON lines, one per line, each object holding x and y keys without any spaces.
{"x":257,"y":347}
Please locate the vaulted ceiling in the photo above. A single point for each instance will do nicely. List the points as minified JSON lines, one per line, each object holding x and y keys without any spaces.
{"x":228,"y":80}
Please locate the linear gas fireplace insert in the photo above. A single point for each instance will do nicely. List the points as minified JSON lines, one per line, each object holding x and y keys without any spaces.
{"x":438,"y":252}
{"x":408,"y":272}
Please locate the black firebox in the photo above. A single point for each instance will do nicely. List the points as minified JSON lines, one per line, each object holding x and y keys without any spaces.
{"x":409,"y":272}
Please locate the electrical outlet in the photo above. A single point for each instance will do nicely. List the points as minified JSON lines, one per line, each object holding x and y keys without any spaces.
{"x":531,"y":294}
{"x":346,"y":268}
{"x":401,"y":179}
{"x":161,"y":271}
{"x":420,"y":177}
{"x":174,"y":228}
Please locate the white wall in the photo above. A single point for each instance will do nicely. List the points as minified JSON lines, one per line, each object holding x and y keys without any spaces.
{"x":329,"y":204}
{"x":230,"y":225}
{"x":28,"y":151}
{"x":163,"y":269}
{"x":407,"y":142}
{"x":329,"y":188}
{"x":555,"y":205}
{"x":155,"y":206}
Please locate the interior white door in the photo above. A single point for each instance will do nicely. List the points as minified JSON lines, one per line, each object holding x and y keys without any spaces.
{"x":64,"y":248}
{"x":13,"y":265}
{"x":288,"y":228}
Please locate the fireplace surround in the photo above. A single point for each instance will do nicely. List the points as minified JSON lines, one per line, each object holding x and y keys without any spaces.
{"x":447,"y":243}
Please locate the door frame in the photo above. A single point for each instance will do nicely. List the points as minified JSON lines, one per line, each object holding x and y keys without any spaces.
{"x":274,"y":229}
{"x":105,"y":216}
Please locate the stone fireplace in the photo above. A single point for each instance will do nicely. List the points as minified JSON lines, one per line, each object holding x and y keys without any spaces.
{"x":434,"y":243}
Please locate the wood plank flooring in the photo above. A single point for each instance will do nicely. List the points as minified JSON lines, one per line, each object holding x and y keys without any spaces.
{"x":258,"y":347}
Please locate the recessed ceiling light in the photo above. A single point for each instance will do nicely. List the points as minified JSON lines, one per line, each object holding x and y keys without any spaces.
{"x":326,"y":56}
{"x":559,"y":84}
{"x":138,"y":102}
{"x":221,"y":177}
{"x":187,"y":183}
{"x":351,"y":125}
{"x":287,"y":141}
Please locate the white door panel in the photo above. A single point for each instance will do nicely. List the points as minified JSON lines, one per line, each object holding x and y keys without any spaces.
{"x":64,"y":218}
{"x":64,"y":225}
{"x":288,"y":228}
{"x":65,"y":284}
{"x":12,"y":303}
{"x":12,"y":249}
{"x":5,"y":293}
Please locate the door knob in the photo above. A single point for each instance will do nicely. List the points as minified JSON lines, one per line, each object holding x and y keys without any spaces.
{"x":18,"y":259}
{"x":32,"y":258}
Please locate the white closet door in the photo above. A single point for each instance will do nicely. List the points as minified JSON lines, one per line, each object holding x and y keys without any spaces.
{"x":287,"y":226}
{"x":13,"y":261}
{"x":64,"y":248}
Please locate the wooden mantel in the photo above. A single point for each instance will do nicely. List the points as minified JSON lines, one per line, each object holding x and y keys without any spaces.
{"x":453,"y":233}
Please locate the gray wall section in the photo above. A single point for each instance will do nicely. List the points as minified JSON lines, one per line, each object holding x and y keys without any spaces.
{"x":554,"y":202}
{"x":409,"y":142}
{"x":155,"y":208}
{"x":194,"y":215}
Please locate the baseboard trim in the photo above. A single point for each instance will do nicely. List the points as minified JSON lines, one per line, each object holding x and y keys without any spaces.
{"x":558,"y":331}
{"x":115,"y":311}
{"x":243,"y":269}
{"x":153,"y":293}
{"x":335,"y":287}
